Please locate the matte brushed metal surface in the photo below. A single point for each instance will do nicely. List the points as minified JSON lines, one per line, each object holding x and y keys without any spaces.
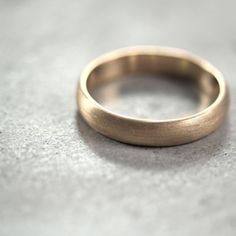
{"x":153,"y":60}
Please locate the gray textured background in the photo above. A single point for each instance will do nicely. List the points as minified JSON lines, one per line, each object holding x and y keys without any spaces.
{"x":59,"y":177}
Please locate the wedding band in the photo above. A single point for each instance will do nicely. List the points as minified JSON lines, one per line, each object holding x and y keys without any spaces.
{"x":155,"y":61}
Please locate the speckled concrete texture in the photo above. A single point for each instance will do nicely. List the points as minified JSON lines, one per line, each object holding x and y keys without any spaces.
{"x":58,"y":176}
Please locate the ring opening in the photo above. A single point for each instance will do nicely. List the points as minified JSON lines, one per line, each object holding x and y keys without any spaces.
{"x":156,"y":65}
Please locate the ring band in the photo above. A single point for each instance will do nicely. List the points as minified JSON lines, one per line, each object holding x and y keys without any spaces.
{"x":153,"y":60}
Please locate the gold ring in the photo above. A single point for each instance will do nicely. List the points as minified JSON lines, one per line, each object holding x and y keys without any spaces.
{"x":153,"y":60}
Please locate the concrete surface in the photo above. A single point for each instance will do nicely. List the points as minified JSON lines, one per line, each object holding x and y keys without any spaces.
{"x":58,"y":176}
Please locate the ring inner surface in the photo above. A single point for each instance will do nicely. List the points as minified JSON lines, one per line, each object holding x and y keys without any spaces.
{"x":156,"y":65}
